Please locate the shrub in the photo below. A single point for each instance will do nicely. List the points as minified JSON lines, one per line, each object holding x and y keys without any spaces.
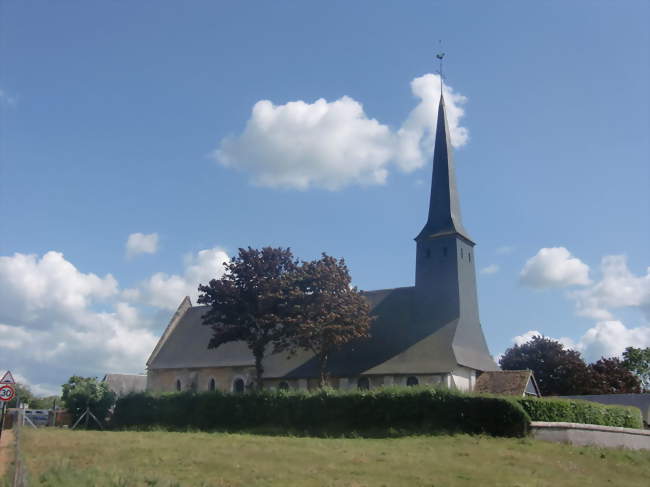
{"x":577,"y":411}
{"x":379,"y":412}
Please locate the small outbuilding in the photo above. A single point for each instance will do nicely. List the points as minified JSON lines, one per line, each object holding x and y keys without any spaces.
{"x":519,"y":383}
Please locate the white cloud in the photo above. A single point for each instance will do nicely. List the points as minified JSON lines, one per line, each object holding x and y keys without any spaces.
{"x":618,"y":288}
{"x":605,"y":339}
{"x":526,"y":337}
{"x":140,"y":243}
{"x":56,"y":321}
{"x":37,"y":290}
{"x":166,"y":291}
{"x":554,"y":267}
{"x":334,"y":144}
{"x":610,"y":338}
{"x":490,"y":269}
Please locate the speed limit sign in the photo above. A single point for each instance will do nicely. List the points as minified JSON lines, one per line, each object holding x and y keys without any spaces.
{"x":6,"y":393}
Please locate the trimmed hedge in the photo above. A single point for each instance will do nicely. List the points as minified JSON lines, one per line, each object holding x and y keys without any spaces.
{"x":379,"y":412}
{"x":577,"y":411}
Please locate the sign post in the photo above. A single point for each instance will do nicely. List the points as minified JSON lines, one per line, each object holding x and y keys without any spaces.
{"x":7,"y":393}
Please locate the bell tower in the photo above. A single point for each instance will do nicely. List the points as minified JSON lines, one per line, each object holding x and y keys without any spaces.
{"x":445,"y":275}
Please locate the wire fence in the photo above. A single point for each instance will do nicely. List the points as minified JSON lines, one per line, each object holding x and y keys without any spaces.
{"x":19,"y":478}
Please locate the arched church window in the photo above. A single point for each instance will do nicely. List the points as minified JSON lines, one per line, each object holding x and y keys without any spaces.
{"x":283,"y":386}
{"x":469,"y":256}
{"x":363,"y":383}
{"x":178,"y":385}
{"x":212,"y":385}
{"x":461,"y":253}
{"x":238,"y":386}
{"x":412,"y":381}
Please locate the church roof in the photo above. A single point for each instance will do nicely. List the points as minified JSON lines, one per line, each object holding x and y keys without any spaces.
{"x":400,"y":343}
{"x":444,"y":205}
{"x":123,"y":384}
{"x":186,"y":346}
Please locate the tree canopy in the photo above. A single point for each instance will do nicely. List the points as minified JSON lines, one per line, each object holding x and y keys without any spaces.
{"x":562,"y":372}
{"x":248,"y":303}
{"x":326,"y":311}
{"x":80,"y":393}
{"x":24,"y":395}
{"x":558,"y":372}
{"x":637,"y":361}
{"x":272,"y":302}
{"x":609,"y":376}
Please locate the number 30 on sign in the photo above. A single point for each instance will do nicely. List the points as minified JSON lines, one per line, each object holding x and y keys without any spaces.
{"x":6,"y":393}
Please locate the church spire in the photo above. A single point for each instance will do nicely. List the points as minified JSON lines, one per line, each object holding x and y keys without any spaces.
{"x":444,"y":207}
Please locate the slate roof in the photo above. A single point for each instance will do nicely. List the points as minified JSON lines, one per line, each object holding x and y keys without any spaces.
{"x":641,"y":401}
{"x":444,"y":205}
{"x":123,"y":384}
{"x":398,"y":345}
{"x":186,"y":346}
{"x":507,"y":382}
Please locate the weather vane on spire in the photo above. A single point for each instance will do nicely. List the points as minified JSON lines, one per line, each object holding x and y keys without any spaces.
{"x":440,"y":57}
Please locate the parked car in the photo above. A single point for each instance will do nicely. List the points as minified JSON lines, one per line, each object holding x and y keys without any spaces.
{"x":37,"y":416}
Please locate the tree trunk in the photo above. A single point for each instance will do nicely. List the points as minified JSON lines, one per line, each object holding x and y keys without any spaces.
{"x":323,"y":370}
{"x":259,"y":370}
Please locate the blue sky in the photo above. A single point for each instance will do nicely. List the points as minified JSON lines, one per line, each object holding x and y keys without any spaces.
{"x":120,"y":118}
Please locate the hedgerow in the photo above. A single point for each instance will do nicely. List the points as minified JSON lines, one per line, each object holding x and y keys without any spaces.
{"x":378,"y":412}
{"x":577,"y":411}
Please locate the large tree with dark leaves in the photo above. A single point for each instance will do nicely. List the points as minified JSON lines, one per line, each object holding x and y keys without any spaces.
{"x":326,"y":311}
{"x":558,"y":372}
{"x":609,"y":376}
{"x":637,"y":361}
{"x":248,"y":303}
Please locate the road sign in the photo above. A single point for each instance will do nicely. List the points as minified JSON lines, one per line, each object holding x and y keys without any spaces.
{"x":6,"y":393}
{"x":7,"y":378}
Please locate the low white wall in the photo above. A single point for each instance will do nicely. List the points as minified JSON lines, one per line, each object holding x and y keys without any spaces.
{"x":592,"y":435}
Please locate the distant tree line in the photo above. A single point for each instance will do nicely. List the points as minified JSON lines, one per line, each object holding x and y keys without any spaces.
{"x":563,"y":372}
{"x":277,"y":304}
{"x":24,"y":395}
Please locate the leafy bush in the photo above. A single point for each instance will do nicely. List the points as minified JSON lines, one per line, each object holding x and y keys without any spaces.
{"x":379,"y":412}
{"x":576,"y":411}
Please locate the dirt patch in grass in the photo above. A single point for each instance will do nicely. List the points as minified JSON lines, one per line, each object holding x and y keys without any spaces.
{"x":60,"y":457}
{"x":6,"y":451}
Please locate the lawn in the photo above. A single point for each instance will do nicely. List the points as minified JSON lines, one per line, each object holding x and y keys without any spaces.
{"x":82,"y":458}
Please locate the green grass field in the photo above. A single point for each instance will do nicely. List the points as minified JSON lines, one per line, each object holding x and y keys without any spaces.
{"x":87,"y":458}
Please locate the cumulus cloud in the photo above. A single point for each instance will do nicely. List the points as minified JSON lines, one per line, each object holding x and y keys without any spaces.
{"x":610,"y":338}
{"x":35,"y":290}
{"x":166,"y":291}
{"x":618,"y":288}
{"x":605,"y":339}
{"x":554,"y":267}
{"x":490,"y":269}
{"x":56,"y":321}
{"x":140,"y":243}
{"x":333,"y":144}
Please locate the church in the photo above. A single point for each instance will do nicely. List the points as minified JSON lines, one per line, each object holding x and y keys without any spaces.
{"x":429,"y":333}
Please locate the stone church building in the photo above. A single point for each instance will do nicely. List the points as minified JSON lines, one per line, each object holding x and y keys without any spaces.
{"x":429,"y":333}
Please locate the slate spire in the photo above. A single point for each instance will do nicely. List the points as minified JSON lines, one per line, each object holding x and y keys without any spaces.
{"x":444,"y":207}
